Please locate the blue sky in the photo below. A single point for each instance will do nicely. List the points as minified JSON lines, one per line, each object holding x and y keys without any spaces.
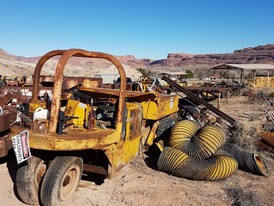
{"x":143,"y":28}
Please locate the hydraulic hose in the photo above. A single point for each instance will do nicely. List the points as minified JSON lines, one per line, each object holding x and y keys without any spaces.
{"x":248,"y":161}
{"x":199,"y":143}
{"x":219,"y":166}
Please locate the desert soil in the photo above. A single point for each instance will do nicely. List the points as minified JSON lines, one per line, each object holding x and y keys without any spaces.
{"x":139,"y":184}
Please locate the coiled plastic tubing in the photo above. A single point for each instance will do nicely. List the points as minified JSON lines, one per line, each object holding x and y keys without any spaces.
{"x":199,"y":143}
{"x":248,"y":161}
{"x":194,"y":153}
{"x":220,"y":166}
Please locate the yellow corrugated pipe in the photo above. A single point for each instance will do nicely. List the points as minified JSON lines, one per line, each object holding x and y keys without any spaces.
{"x":219,"y":166}
{"x":199,"y":143}
{"x":194,"y":152}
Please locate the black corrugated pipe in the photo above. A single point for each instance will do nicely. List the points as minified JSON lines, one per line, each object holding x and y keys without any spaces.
{"x":248,"y":161}
{"x":219,"y":166}
{"x":199,"y":143}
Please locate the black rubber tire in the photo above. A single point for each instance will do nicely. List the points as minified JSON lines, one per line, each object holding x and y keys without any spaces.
{"x":28,"y":178}
{"x":61,"y":180}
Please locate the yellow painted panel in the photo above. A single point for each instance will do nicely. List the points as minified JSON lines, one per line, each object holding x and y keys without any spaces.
{"x":160,"y":107}
{"x":76,"y":139}
{"x":130,"y":149}
{"x":77,"y":113}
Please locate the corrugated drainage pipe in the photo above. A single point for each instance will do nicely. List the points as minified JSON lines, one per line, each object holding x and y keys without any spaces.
{"x":199,"y":143}
{"x":248,"y":161}
{"x":219,"y":166}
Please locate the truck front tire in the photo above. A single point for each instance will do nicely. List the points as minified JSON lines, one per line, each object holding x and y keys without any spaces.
{"x":61,"y":180}
{"x":28,"y":178}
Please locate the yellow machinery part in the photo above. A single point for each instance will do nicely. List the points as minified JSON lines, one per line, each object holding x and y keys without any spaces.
{"x":161,"y":106}
{"x":34,"y":105}
{"x":133,"y":134}
{"x":77,"y":113}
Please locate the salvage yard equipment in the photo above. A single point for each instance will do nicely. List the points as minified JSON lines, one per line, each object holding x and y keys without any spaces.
{"x":92,"y":129}
{"x":95,"y":130}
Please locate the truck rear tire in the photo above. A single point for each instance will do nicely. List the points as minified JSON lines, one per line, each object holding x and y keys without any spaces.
{"x":61,"y":180}
{"x":28,"y":178}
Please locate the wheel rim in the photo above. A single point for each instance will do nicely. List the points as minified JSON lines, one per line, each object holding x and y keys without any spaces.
{"x":70,"y":182}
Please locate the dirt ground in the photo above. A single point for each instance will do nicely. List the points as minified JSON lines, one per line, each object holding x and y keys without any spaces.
{"x":139,"y":184}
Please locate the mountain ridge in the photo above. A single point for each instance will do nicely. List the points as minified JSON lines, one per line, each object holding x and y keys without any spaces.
{"x":258,"y":54}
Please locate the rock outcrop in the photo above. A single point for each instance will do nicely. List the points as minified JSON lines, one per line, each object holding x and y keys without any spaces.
{"x":259,"y":54}
{"x":251,"y":55}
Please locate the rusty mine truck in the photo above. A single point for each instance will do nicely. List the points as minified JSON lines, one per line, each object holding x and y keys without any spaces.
{"x":82,"y":129}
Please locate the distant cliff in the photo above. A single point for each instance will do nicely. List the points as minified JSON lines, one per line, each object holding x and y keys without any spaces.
{"x":259,"y":54}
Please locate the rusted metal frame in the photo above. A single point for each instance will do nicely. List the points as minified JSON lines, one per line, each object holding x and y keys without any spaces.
{"x":38,"y":69}
{"x":5,"y":99}
{"x":199,"y":100}
{"x":59,"y":78}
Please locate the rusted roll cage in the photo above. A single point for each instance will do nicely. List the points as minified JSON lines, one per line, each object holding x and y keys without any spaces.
{"x":65,"y":56}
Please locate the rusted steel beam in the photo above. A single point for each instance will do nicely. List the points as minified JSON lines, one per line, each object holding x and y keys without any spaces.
{"x":59,"y":79}
{"x":199,"y":100}
{"x":5,"y":99}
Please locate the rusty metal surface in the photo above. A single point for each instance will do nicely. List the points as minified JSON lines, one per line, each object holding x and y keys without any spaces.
{"x":114,"y":92}
{"x":73,"y":139}
{"x":6,"y":119}
{"x":5,"y":98}
{"x":55,"y":106}
{"x":21,"y":93}
{"x":46,"y":80}
{"x":268,"y":137}
{"x":68,"y":81}
{"x":95,"y":169}
{"x":21,"y":89}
